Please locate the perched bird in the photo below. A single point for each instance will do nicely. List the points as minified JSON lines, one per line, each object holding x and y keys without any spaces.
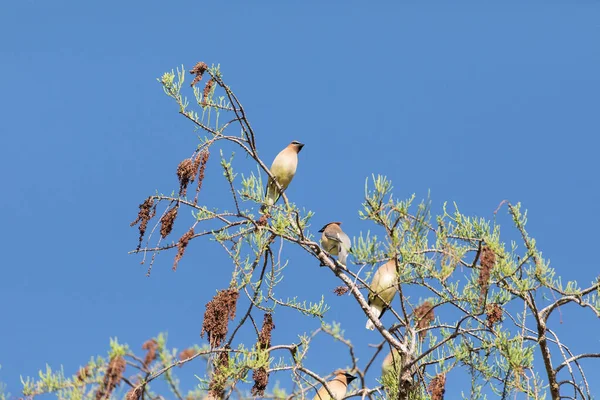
{"x":383,"y":289}
{"x":283,"y":169}
{"x":337,"y":386}
{"x":335,"y":241}
{"x":391,"y":362}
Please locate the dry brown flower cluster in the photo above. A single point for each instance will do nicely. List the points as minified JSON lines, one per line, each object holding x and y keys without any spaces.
{"x":83,"y":373}
{"x":185,"y":354}
{"x":205,"y":95}
{"x":185,"y":174}
{"x":488,"y":260}
{"x":217,"y":315}
{"x":199,"y":69}
{"x":437,"y":387}
{"x":151,"y":346}
{"x":200,"y":167}
{"x":425,"y":316}
{"x":261,"y":379}
{"x":167,"y":221}
{"x":112,"y":378}
{"x":135,"y":393}
{"x":263,"y":220}
{"x":146,"y":213}
{"x":341,"y":290}
{"x":190,"y":168}
{"x":216,"y":387}
{"x":264,"y":338}
{"x":260,"y":375}
{"x":494,"y":314}
{"x":181,"y":245}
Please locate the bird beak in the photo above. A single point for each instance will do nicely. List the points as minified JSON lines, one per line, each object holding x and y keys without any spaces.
{"x":350,"y":378}
{"x":300,"y":146}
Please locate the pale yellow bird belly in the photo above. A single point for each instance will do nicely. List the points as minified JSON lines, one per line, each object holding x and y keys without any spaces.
{"x":387,"y":289}
{"x":330,"y":246}
{"x":284,"y":171}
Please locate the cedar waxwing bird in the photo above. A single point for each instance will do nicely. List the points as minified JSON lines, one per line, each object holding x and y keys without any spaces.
{"x":335,"y":241}
{"x":382,"y":290}
{"x":391,"y":362}
{"x":337,"y":386}
{"x":283,"y":169}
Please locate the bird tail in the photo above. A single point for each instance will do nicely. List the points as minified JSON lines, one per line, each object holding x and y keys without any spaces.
{"x":271,"y":196}
{"x":376,"y":311}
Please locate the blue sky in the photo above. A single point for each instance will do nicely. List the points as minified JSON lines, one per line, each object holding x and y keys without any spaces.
{"x":476,"y":101}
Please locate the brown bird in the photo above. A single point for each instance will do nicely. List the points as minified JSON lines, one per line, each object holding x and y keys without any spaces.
{"x":283,"y":170}
{"x":383,"y":289}
{"x":335,"y":241}
{"x":337,"y":386}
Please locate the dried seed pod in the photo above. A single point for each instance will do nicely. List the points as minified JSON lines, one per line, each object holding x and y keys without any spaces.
{"x":425,"y":316}
{"x":112,"y":378}
{"x":146,"y":213}
{"x":217,"y":315}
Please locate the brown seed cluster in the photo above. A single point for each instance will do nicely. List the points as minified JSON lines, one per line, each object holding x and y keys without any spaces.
{"x":151,"y":346}
{"x":181,"y":246}
{"x":425,"y":316}
{"x":185,"y":354}
{"x":264,"y":338}
{"x":135,"y":393}
{"x":167,"y":221}
{"x":341,"y":290}
{"x":146,"y":213}
{"x":185,"y":174}
{"x":200,"y":167}
{"x":437,"y":387}
{"x":83,"y":373}
{"x":263,"y":220}
{"x":217,"y":315}
{"x":205,"y":95}
{"x":112,"y":378}
{"x":488,"y":260}
{"x":494,"y":314}
{"x":188,"y":169}
{"x":216,"y":387}
{"x":199,"y":69}
{"x":261,"y":379}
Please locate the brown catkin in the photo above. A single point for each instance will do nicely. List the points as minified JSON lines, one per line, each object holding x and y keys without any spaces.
{"x":199,"y":69}
{"x":167,"y":221}
{"x":493,"y":313}
{"x":150,"y":345}
{"x":185,"y":174}
{"x":216,"y":387}
{"x":83,"y":373}
{"x":261,"y":379}
{"x":146,"y":213}
{"x":185,"y":354}
{"x":200,"y":163}
{"x":264,"y":338}
{"x":112,"y":378}
{"x":488,"y":260}
{"x":437,"y":387}
{"x":181,"y":246}
{"x":341,"y":290}
{"x":135,"y":393}
{"x":217,"y":315}
{"x":207,"y":89}
{"x":425,"y":316}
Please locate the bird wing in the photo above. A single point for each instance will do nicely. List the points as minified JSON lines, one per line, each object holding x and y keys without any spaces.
{"x":344,"y":247}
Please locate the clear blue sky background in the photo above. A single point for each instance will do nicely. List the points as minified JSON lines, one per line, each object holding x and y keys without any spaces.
{"x":476,"y":101}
